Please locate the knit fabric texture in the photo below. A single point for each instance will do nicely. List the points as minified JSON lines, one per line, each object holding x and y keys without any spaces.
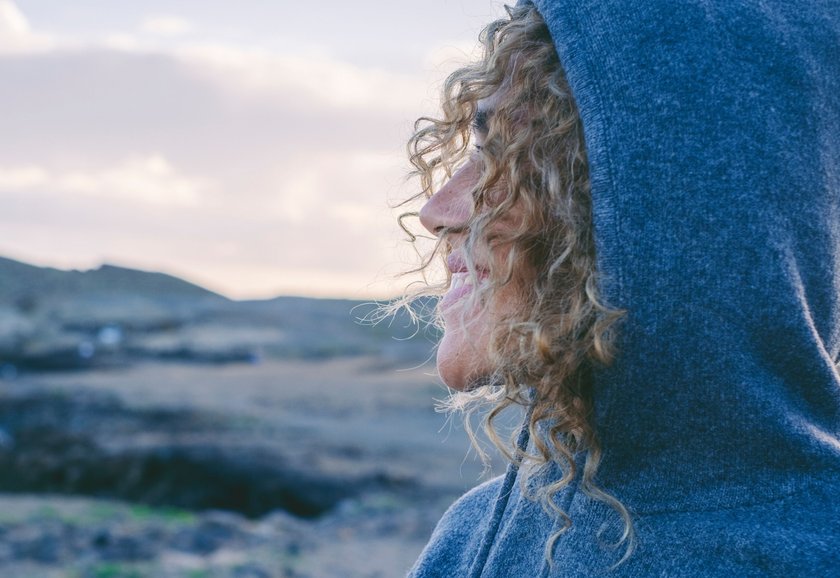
{"x":713,"y":134}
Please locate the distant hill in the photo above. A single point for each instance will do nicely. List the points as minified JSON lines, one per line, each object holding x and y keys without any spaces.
{"x":57,"y":319}
{"x":21,"y":282}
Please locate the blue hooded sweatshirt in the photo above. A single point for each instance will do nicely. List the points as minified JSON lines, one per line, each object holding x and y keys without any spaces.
{"x":713,"y":135}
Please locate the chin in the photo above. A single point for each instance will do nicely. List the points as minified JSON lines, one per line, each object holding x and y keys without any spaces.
{"x":450,"y":365}
{"x":460,"y":362}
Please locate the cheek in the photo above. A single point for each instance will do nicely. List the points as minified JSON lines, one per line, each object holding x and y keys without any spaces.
{"x":463,"y":354}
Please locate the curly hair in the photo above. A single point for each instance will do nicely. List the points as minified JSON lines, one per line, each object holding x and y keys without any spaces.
{"x":534,"y":160}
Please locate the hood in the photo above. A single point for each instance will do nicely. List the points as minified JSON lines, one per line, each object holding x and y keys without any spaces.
{"x":713,"y":134}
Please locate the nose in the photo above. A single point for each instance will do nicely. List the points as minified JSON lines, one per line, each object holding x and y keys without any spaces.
{"x":452,"y":204}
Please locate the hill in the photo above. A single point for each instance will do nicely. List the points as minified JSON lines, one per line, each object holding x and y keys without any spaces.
{"x":23,"y":283}
{"x":56,"y":319}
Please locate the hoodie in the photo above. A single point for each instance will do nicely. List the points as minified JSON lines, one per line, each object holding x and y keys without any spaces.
{"x":713,"y":135}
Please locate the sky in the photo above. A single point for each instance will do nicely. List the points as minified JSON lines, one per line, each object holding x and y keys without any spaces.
{"x":255,"y":148}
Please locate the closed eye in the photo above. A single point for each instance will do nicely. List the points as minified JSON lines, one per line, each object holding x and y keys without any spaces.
{"x":480,"y":126}
{"x":480,"y":121}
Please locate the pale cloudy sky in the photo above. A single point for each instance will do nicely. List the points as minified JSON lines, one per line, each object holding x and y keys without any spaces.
{"x":250,"y":146}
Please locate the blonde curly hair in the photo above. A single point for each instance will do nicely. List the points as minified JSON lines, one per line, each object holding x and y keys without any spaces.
{"x":544,"y":350}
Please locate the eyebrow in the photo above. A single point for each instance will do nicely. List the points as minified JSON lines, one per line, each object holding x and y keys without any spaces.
{"x":481,"y":120}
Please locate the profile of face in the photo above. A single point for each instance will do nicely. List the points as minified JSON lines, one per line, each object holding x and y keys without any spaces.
{"x":463,"y":354}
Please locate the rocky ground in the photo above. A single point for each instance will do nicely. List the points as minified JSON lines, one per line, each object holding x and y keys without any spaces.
{"x":74,"y":537}
{"x":152,"y":428}
{"x":278,"y":468}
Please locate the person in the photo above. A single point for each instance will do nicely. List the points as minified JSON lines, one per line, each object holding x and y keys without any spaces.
{"x":638,"y":205}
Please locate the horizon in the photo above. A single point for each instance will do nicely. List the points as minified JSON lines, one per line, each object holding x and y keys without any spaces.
{"x":212,"y":143}
{"x":197,"y":283}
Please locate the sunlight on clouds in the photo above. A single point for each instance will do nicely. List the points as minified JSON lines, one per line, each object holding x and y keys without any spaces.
{"x":150,"y":179}
{"x":166,"y":25}
{"x":15,"y":33}
{"x":298,"y":195}
{"x":287,"y":162}
{"x":12,"y":20}
{"x":316,"y":77}
{"x":353,"y":183}
{"x":122,"y":41}
{"x":313,"y":282}
{"x":23,"y":177}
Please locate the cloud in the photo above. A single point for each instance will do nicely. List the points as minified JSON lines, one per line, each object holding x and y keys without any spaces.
{"x":147,"y":179}
{"x":22,"y":177}
{"x":312,"y":77}
{"x":166,"y":25}
{"x":16,"y":36}
{"x":284,"y":161}
{"x":12,"y":20}
{"x":239,"y":250}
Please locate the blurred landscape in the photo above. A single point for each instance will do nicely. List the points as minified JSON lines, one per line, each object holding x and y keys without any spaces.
{"x":150,"y":427}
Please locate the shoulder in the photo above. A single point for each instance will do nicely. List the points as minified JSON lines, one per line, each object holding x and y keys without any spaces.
{"x":457,"y":536}
{"x":795,"y":535}
{"x":470,"y":508}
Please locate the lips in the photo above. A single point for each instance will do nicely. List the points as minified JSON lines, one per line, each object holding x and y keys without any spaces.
{"x":456,"y":263}
{"x":461,"y":283}
{"x":460,"y":286}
